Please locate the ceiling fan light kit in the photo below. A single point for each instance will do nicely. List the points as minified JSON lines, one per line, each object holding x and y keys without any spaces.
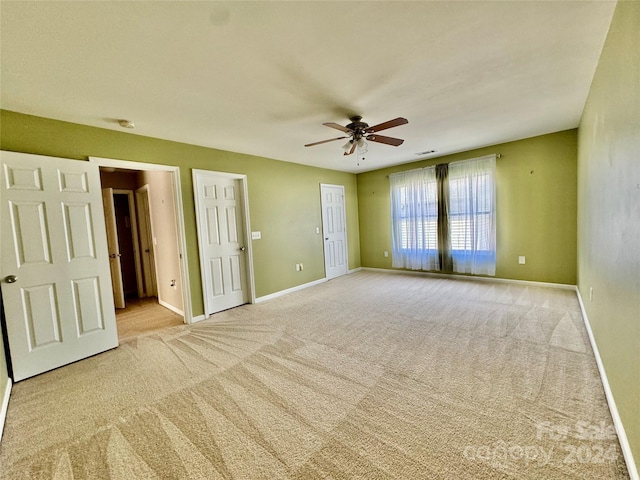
{"x":358,"y":131}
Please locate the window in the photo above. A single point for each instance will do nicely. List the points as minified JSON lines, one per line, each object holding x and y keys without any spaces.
{"x":414,"y":206}
{"x":443,"y":217}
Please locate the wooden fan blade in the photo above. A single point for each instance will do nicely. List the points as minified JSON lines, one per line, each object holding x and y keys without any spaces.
{"x":337,"y":126}
{"x":324,"y":141}
{"x":390,"y":124}
{"x":353,"y":149}
{"x":386,"y":140}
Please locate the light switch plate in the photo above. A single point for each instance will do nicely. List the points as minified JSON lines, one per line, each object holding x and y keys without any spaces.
{"x":256,"y":235}
{"x":522,"y":260}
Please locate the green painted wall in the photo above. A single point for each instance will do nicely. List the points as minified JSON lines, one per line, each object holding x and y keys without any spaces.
{"x":284,"y":198}
{"x":536,"y":208}
{"x":609,"y":213}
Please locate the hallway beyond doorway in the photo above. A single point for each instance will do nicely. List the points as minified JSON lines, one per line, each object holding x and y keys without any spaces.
{"x":143,"y":316}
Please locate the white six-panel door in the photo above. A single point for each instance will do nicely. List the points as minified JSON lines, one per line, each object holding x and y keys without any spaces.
{"x":56,"y":284}
{"x":221,"y":237}
{"x":334,"y":230}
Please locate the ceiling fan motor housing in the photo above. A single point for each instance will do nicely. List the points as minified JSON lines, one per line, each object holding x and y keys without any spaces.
{"x":358,"y":126}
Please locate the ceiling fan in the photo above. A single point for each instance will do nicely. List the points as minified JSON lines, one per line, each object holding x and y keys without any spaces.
{"x":359,"y":131}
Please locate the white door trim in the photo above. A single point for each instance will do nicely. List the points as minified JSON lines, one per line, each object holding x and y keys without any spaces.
{"x":182,"y":240}
{"x":246,"y":225}
{"x":4,"y":405}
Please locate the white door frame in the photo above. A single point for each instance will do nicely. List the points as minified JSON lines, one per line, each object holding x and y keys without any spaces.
{"x":182,"y":240}
{"x":246,"y":225}
{"x":344,"y":216}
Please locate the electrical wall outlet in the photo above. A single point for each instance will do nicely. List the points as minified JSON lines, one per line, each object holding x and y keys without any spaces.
{"x":522,"y":260}
{"x":386,"y":253}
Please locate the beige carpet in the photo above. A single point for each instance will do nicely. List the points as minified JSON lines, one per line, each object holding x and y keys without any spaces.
{"x":368,"y":376}
{"x":142,"y":316}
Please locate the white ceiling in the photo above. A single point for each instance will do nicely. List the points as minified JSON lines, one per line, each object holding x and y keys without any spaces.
{"x":261,"y":77}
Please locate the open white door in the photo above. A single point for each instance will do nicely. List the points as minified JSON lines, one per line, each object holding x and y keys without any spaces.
{"x":221,"y":221}
{"x":143,"y":207}
{"x":115,"y":266}
{"x":54,"y":267}
{"x":334,"y":230}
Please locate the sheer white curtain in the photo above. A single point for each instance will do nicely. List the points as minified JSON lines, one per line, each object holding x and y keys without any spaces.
{"x":414,"y":219}
{"x":472,"y":215}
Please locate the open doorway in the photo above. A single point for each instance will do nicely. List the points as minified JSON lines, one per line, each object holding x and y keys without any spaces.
{"x":126,"y":225}
{"x":145,"y":257}
{"x":122,"y":239}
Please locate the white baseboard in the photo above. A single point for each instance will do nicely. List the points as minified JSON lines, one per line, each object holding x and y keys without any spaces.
{"x":289,"y":290}
{"x":454,"y":276}
{"x":615,"y":415}
{"x":171,"y":307}
{"x":197,"y":318}
{"x":4,"y":406}
{"x":354,"y":270}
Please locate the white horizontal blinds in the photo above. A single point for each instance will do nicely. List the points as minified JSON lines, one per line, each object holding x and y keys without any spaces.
{"x":414,"y":215}
{"x":472,"y":215}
